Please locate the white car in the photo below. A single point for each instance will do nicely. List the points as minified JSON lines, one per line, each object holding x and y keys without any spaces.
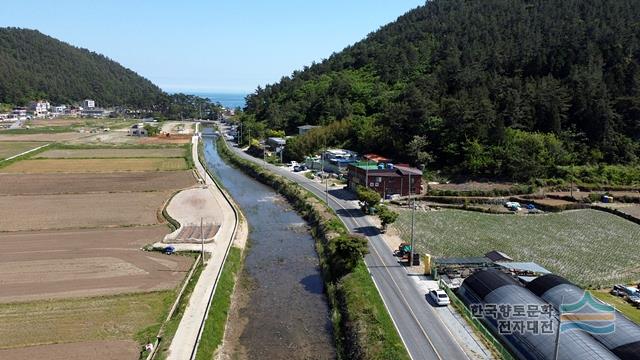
{"x":440,"y":297}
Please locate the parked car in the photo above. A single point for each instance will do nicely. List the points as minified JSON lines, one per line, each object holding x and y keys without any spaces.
{"x":634,"y":300}
{"x":440,"y":297}
{"x":618,"y":290}
{"x":296,"y":168}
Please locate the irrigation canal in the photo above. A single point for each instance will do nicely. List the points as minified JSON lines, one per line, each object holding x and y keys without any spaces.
{"x":281,"y":310}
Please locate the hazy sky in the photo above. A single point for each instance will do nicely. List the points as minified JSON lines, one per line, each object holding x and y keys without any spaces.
{"x":231,"y":46}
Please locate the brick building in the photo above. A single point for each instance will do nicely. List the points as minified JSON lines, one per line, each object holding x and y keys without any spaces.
{"x":385,"y":178}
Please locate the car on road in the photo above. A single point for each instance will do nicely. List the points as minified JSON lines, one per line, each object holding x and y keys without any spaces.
{"x":296,"y":168}
{"x":440,"y":297}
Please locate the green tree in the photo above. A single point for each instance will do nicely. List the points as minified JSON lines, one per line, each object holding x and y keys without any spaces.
{"x":387,"y":216}
{"x":346,"y":251}
{"x":369,"y":198}
{"x":151,"y":129}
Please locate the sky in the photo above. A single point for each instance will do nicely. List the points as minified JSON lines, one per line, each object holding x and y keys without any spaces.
{"x":199,"y":45}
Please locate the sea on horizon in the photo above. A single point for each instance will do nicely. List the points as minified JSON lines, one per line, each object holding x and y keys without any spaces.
{"x":228,"y":100}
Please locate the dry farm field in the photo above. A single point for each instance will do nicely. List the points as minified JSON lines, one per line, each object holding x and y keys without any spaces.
{"x":44,"y":166}
{"x":74,"y":280}
{"x":37,"y":184}
{"x":20,"y":213}
{"x":96,"y":350}
{"x":590,"y":247}
{"x":112,"y":153}
{"x":42,"y":136}
{"x":77,"y":263}
{"x":11,"y":148}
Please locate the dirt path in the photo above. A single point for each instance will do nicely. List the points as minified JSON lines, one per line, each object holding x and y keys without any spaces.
{"x":187,"y":334}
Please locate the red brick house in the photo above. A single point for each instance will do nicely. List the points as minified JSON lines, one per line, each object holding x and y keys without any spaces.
{"x":385,"y":178}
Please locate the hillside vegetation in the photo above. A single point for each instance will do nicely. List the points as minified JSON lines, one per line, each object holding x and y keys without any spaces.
{"x":483,"y":88}
{"x":34,"y":65}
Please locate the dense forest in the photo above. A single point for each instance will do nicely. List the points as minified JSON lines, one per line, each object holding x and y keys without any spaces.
{"x":36,"y":66}
{"x":511,"y":89}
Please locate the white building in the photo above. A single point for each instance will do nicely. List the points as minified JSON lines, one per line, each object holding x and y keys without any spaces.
{"x":88,"y":104}
{"x":58,"y":110}
{"x":19,"y":113}
{"x":95,"y":113}
{"x":39,"y":108}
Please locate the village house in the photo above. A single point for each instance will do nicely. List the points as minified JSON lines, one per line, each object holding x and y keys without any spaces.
{"x":19,"y":113}
{"x":39,"y":109}
{"x":385,"y":178}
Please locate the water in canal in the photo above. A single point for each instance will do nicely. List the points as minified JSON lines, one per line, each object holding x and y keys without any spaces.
{"x":280,"y":310}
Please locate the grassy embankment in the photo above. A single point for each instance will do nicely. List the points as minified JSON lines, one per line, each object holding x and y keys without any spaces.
{"x":573,"y":244}
{"x":362,"y":326}
{"x":167,"y":330}
{"x":213,"y":331}
{"x":620,"y":304}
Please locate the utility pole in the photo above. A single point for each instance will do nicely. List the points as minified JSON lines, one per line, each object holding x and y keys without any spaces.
{"x":572,"y":179}
{"x":366,"y":177}
{"x":326,"y":179}
{"x":264,"y":152}
{"x":202,"y":237}
{"x":413,"y":212}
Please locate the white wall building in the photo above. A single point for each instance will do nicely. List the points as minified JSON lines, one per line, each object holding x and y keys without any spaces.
{"x":88,"y":104}
{"x":39,"y":108}
{"x":19,"y":113}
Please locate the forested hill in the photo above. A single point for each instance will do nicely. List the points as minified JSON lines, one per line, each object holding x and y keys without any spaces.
{"x":34,"y":65}
{"x":498,"y":88}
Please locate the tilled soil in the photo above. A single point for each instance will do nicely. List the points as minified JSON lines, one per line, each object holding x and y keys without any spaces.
{"x":44,"y":212}
{"x":75,"y":263}
{"x":96,"y":350}
{"x":38,"y":184}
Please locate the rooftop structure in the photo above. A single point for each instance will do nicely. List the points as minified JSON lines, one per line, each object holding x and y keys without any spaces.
{"x":305,"y":128}
{"x":376,"y":158}
{"x":498,"y":256}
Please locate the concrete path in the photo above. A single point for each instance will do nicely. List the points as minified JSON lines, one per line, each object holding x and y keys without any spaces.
{"x":184,"y":342}
{"x":190,"y":206}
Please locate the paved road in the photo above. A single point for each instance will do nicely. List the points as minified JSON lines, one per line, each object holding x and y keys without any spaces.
{"x":188,"y":333}
{"x":423,"y":332}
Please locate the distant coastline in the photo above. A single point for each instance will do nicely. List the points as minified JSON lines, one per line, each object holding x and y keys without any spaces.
{"x":228,"y":100}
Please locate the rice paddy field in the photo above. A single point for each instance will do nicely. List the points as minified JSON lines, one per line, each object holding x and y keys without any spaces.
{"x":589,"y":247}
{"x":112,"y":153}
{"x":11,"y":148}
{"x":45,"y":166}
{"x":117,"y":317}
